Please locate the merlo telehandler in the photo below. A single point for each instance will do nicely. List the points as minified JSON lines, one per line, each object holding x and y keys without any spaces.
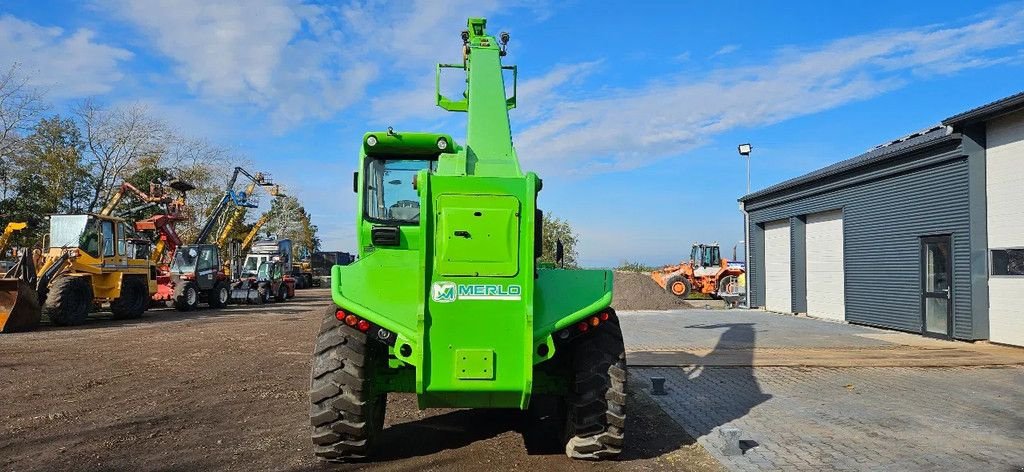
{"x":447,"y":299}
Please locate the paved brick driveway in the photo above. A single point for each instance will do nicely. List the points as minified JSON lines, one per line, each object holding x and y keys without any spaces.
{"x":829,"y":418}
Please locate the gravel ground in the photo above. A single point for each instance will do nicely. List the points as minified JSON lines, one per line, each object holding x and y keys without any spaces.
{"x":227,"y":390}
{"x":637,"y":291}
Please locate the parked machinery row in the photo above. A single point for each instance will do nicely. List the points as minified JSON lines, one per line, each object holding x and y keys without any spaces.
{"x":87,"y":260}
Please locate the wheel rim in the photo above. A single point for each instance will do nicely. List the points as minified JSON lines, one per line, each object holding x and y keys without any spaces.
{"x":223,"y":295}
{"x":190,"y":296}
{"x":678,"y":288}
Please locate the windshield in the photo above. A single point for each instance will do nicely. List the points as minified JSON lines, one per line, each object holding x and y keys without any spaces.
{"x":185,"y":259}
{"x":390,"y":195}
{"x":264,"y":272}
{"x":251,"y":263}
{"x":69,"y":231}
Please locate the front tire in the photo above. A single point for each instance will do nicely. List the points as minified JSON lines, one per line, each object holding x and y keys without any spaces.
{"x":133,"y":301}
{"x":218,"y":297}
{"x":679,"y":286}
{"x":188,"y":298}
{"x":68,"y":300}
{"x":346,"y":416}
{"x":596,"y":404}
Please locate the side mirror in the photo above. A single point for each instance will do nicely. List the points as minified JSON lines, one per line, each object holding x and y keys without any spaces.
{"x":355,"y":182}
{"x":559,"y":253}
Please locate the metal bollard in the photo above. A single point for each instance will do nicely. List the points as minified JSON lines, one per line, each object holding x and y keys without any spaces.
{"x":657,"y":385}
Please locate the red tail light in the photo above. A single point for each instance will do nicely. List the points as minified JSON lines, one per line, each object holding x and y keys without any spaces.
{"x":340,"y":314}
{"x":604,"y":316}
{"x":583,"y":326}
{"x":363,"y":325}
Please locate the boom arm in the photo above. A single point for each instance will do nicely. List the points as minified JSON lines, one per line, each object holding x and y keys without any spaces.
{"x":489,"y":150}
{"x":247,"y":242}
{"x":242,"y":200}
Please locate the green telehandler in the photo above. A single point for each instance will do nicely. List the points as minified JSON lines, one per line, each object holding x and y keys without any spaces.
{"x":447,"y":299}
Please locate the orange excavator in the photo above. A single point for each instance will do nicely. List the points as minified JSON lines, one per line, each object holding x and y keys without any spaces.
{"x":706,"y":272}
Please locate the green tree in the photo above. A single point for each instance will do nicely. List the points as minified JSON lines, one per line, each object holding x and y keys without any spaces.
{"x":289,"y":219}
{"x":556,"y":229}
{"x":52,"y":157}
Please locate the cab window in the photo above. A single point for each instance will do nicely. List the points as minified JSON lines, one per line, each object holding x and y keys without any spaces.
{"x":208,"y":258}
{"x":107,"y":230}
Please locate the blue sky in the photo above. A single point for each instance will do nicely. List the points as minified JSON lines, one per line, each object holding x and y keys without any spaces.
{"x":631,"y":115}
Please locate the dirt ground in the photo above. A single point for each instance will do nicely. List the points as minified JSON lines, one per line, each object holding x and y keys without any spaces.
{"x":637,"y":291}
{"x":227,"y":390}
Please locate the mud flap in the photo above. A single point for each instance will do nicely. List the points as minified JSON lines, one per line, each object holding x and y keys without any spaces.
{"x":19,"y":306}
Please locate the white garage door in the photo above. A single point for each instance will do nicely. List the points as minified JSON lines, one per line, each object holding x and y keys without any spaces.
{"x":777,"y":286}
{"x":825,"y":294}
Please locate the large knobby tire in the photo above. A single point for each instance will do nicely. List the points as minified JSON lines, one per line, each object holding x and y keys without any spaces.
{"x":187,"y":297}
{"x":679,"y":286}
{"x":68,"y":300}
{"x":596,"y":403}
{"x":347,"y":418}
{"x":219,"y":295}
{"x":134,"y":298}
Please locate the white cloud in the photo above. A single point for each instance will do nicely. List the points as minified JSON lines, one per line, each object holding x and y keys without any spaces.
{"x":727,"y":49}
{"x":303,"y":61}
{"x":65,"y":64}
{"x":281,"y":56}
{"x":632,"y":128}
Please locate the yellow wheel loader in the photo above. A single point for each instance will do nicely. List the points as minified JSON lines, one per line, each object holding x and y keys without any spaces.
{"x":89,"y":260}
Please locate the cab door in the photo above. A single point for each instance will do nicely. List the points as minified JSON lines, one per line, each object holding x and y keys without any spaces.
{"x":206,"y":267}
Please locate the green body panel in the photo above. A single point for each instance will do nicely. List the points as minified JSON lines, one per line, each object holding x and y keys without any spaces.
{"x":460,"y":288}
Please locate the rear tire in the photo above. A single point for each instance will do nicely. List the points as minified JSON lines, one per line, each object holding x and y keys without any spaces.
{"x":596,"y":404}
{"x":134,"y":299}
{"x":679,"y":286}
{"x":188,"y":298}
{"x":219,"y":295}
{"x":347,"y":418}
{"x":68,"y":300}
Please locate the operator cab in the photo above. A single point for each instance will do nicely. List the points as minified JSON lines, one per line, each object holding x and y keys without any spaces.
{"x":391,"y":197}
{"x":98,"y":236}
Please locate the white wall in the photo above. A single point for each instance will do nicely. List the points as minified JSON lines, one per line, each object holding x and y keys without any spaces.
{"x":1004,"y":180}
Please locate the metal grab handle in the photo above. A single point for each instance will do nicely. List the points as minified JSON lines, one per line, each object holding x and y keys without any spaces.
{"x":462,"y":234}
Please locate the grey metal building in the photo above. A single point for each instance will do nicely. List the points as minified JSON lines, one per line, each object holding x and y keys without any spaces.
{"x":922,"y":234}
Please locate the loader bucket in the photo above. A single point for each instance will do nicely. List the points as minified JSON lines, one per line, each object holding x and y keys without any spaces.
{"x":19,"y":306}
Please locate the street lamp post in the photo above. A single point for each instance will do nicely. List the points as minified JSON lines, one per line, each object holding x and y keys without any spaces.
{"x":744,"y":150}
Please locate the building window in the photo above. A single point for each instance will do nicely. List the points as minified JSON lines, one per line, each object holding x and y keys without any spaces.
{"x":1008,"y":261}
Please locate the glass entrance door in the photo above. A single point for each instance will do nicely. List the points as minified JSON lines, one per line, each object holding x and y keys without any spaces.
{"x":937,"y":282}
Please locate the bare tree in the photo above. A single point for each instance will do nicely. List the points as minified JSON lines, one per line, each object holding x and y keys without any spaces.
{"x":116,"y":139}
{"x":203,"y":164}
{"x":20,"y":106}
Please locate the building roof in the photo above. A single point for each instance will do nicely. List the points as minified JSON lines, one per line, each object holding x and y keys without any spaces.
{"x":988,"y":111}
{"x":906,"y":144}
{"x":889,"y":150}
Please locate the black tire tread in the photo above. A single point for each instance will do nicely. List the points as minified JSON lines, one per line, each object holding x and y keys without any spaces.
{"x":68,"y":300}
{"x":346,"y":419}
{"x":134,"y":298}
{"x":597,"y":401}
{"x":212,"y":296}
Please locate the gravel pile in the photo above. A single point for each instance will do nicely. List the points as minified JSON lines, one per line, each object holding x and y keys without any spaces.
{"x":637,"y":291}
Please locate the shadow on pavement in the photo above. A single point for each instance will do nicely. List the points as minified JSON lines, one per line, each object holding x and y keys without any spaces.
{"x":715,"y":395}
{"x":724,"y":393}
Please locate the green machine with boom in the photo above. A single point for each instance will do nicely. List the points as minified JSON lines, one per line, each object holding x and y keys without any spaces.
{"x":447,"y":299}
